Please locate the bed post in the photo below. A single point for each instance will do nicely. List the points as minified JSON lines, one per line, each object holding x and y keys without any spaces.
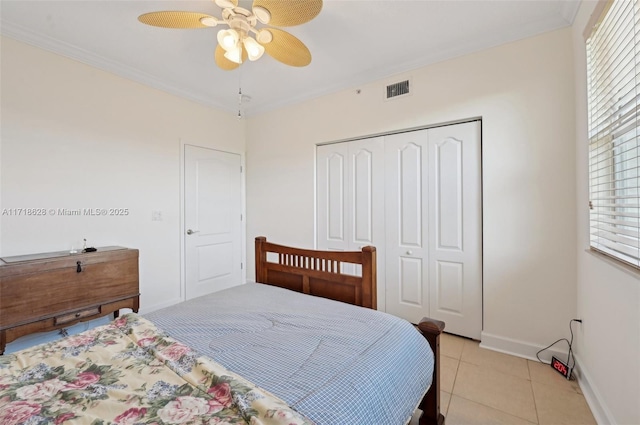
{"x":261,"y":258}
{"x":430,"y":404}
{"x":369,"y":273}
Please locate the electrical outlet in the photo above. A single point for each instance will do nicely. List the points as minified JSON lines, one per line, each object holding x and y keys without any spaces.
{"x":560,"y":367}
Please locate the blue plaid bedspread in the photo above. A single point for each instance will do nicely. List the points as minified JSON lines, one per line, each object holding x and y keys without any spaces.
{"x":335,"y":363}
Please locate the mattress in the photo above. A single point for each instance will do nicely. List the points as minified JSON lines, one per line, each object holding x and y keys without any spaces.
{"x":333,"y":362}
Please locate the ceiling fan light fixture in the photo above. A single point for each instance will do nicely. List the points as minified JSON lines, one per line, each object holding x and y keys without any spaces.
{"x":240,"y":39}
{"x":228,"y":39}
{"x":262,"y":14}
{"x":234,"y":55}
{"x":209,"y":21}
{"x":254,"y":49}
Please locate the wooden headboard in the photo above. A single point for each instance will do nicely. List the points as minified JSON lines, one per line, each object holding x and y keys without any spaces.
{"x":318,"y":273}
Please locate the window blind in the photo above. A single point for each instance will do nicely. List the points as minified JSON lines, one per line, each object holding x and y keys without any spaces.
{"x":613,"y":84}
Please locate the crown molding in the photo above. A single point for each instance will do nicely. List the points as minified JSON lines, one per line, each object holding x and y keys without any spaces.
{"x":569,"y":10}
{"x":71,"y":51}
{"x":475,"y":45}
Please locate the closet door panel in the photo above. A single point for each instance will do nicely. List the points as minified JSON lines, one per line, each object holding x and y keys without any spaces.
{"x":335,"y":198}
{"x":455,"y":250}
{"x":362,"y":186}
{"x":449,"y":286}
{"x":331,"y":163}
{"x":409,"y":176}
{"x":411,"y":287}
{"x":350,"y":201}
{"x":366,"y":194}
{"x":447,"y":194}
{"x":406,"y":225}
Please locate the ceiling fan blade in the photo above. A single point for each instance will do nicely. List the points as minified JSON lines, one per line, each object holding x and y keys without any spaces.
{"x":225,"y":63}
{"x":291,"y":12}
{"x":174,"y":19}
{"x":287,"y":49}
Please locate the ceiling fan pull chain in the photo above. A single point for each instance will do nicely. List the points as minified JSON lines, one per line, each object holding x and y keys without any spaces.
{"x":240,"y":87}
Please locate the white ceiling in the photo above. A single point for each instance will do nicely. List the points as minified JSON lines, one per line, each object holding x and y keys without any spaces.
{"x":352,"y":42}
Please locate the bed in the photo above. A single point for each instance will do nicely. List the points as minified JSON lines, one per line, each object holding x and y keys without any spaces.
{"x":258,"y":353}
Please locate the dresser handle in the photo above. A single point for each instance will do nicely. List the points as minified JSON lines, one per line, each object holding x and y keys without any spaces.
{"x":77,"y":314}
{"x":79,"y":269}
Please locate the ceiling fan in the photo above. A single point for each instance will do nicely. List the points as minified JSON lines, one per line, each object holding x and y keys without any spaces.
{"x":236,"y":44}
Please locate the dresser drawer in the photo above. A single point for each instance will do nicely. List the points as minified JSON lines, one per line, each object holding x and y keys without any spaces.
{"x":67,"y":318}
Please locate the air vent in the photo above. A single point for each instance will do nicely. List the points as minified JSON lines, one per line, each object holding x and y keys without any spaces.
{"x":397,"y":89}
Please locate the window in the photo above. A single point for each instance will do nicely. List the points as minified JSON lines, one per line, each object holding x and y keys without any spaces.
{"x":613,"y":79}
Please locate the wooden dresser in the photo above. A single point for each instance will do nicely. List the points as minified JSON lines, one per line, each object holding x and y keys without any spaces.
{"x":48,"y":291}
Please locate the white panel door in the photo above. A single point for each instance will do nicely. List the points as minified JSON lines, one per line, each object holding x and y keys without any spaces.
{"x":351,"y":200}
{"x":407,"y":225}
{"x":213,"y":232}
{"x":331,"y":165}
{"x":455,"y":236}
{"x":433,"y":226}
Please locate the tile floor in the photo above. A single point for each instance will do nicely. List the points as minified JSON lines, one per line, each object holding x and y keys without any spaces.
{"x":481,"y":386}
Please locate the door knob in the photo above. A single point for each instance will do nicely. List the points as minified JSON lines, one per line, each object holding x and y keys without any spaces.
{"x":191,"y":232}
{"x":409,"y":252}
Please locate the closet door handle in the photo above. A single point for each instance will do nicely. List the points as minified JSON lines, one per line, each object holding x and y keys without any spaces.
{"x":191,"y":232}
{"x":409,"y":252}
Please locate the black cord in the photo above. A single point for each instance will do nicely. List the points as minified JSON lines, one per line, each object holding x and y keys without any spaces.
{"x":570,"y":343}
{"x":551,"y":345}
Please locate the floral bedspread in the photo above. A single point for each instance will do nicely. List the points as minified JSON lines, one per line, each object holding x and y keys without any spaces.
{"x":129,"y":373}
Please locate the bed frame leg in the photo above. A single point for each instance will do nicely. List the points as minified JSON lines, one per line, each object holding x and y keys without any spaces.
{"x":430,"y":404}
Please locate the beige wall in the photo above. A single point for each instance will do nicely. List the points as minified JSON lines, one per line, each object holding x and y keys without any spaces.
{"x":608,"y":341}
{"x":524,"y":92}
{"x":77,"y":137}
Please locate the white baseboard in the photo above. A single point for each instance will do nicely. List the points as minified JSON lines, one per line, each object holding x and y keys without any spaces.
{"x":155,"y":307}
{"x":523,"y":349}
{"x":600,"y":411}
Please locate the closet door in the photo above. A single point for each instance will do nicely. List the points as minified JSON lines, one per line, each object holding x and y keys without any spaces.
{"x":433,"y":226}
{"x":455,"y":222}
{"x":407,"y":229}
{"x":350,"y":201}
{"x":416,"y":197}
